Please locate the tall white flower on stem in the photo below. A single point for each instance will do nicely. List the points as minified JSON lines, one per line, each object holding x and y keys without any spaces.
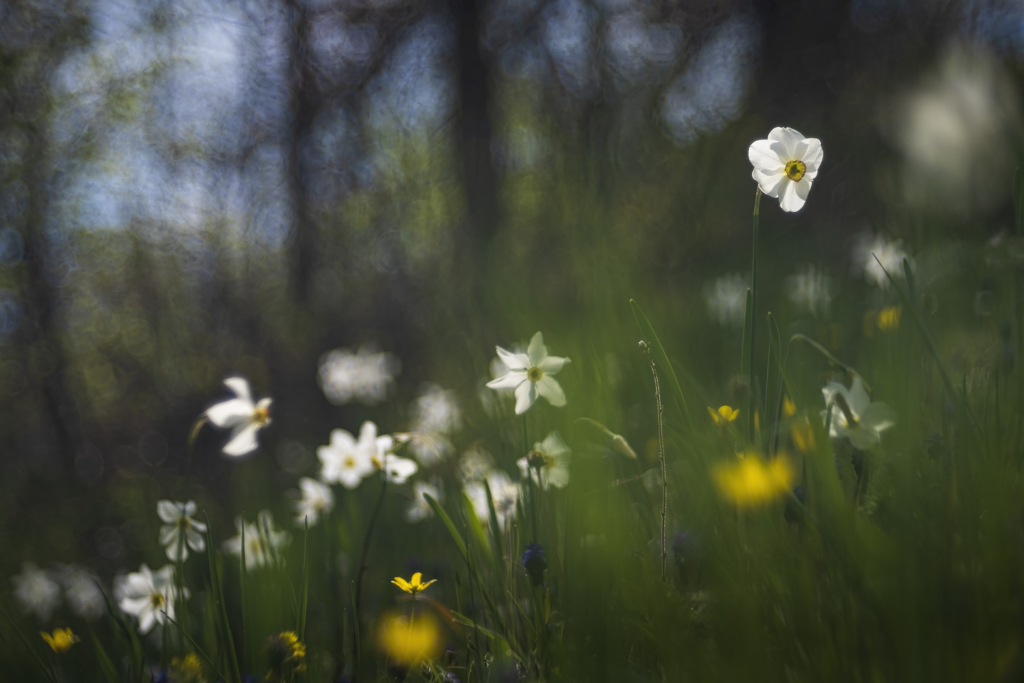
{"x":317,"y":499}
{"x":504,"y":492}
{"x":784,"y":166}
{"x":855,"y":416}
{"x":243,"y":417}
{"x":177,"y":519}
{"x":36,"y":591}
{"x":548,"y":464}
{"x":149,"y":596}
{"x":263,"y":543}
{"x":345,"y":460}
{"x":530,"y":374}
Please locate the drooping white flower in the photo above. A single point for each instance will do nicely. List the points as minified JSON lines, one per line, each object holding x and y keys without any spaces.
{"x":396,"y":470}
{"x":855,"y":416}
{"x":419,"y":509}
{"x":149,"y":596}
{"x":548,"y":464}
{"x":726,"y":298}
{"x":811,"y":289}
{"x":177,"y":518}
{"x":317,"y":499}
{"x":365,"y":376}
{"x":784,"y":166}
{"x":263,"y":543}
{"x":243,"y":417}
{"x":36,"y":591}
{"x":504,"y":492}
{"x":82,"y":590}
{"x":530,"y":374}
{"x":889,"y":255}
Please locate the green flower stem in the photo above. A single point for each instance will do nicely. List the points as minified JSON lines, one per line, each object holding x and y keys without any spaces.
{"x":751,"y":397}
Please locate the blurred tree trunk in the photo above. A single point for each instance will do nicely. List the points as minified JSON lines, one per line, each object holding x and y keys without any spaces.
{"x":473,"y":126}
{"x":29,"y":71}
{"x":302,"y":107}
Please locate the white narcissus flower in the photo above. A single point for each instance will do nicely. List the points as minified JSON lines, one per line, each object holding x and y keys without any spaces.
{"x":346,"y":461}
{"x":726,"y":298}
{"x":784,"y":166}
{"x":177,"y":518}
{"x":263,"y":542}
{"x":419,"y":509}
{"x":366,"y":376}
{"x":876,"y":255}
{"x":83,"y":593}
{"x":149,"y":596}
{"x":530,"y":374}
{"x":854,"y":416}
{"x":36,"y":591}
{"x":317,"y":499}
{"x":548,"y":464}
{"x":504,"y":492}
{"x":243,"y":417}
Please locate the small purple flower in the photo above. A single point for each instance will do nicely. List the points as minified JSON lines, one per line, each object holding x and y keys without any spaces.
{"x":533,"y":560}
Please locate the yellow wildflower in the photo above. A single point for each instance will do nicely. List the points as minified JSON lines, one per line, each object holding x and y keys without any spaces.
{"x":752,"y":481}
{"x":286,"y":655}
{"x":187,"y":669}
{"x":414,"y":586}
{"x":889,"y":318}
{"x":409,"y":640}
{"x":61,"y":640}
{"x":788,"y":407}
{"x":723,"y":415}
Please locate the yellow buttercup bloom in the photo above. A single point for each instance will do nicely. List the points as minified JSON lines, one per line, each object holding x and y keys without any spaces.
{"x":752,"y":481}
{"x":889,"y":318}
{"x":415,"y":585}
{"x":409,"y":640}
{"x":61,"y":640}
{"x":723,"y":415}
{"x":187,"y":669}
{"x":286,"y":655}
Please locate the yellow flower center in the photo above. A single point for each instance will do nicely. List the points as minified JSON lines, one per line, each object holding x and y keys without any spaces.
{"x":156,"y":600}
{"x":184,"y":523}
{"x":534,"y":374}
{"x":350,"y":462}
{"x":261,"y":416}
{"x":795,"y":169}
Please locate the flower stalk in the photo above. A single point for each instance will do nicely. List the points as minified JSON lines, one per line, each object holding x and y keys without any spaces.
{"x":751,"y":396}
{"x":645,"y":347}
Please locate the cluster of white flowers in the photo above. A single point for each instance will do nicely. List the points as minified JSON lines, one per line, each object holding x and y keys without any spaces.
{"x":347,"y":460}
{"x":40,"y":591}
{"x":366,"y":376}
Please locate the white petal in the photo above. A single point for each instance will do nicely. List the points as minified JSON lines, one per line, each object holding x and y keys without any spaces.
{"x":230,"y":413}
{"x":350,"y":479}
{"x":133,"y":606}
{"x":169,"y":535}
{"x":553,"y":445}
{"x":549,"y":388}
{"x":878,"y":417}
{"x":512,"y":361}
{"x":764,"y":155}
{"x":243,"y":440}
{"x":168,"y":511}
{"x":790,"y":139}
{"x":199,"y":526}
{"x":769,"y":183}
{"x":789,"y":198}
{"x":552,"y":364}
{"x":809,"y":151}
{"x":536,"y":351}
{"x":240,"y":386}
{"x":195,"y":540}
{"x":858,"y":397}
{"x":341,"y":439}
{"x":368,"y":435}
{"x":510,"y":380}
{"x":526,"y":394}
